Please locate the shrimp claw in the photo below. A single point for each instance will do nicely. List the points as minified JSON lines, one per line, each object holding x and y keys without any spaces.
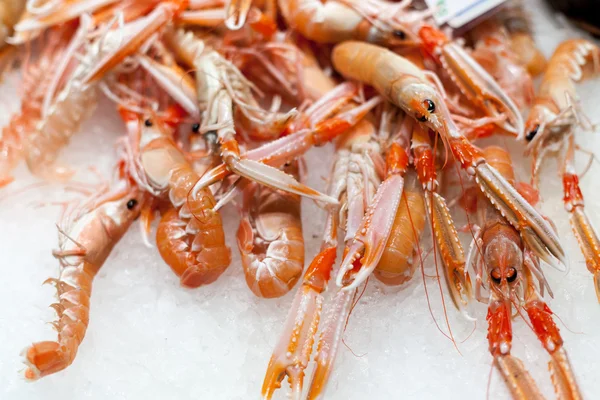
{"x":375,"y":228}
{"x":292,"y":353}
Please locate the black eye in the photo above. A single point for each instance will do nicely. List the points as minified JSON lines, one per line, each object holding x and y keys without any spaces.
{"x":421,"y":118}
{"x":430,"y":105}
{"x":399,"y":34}
{"x":196,"y":128}
{"x":532,"y":133}
{"x":131,"y":204}
{"x":148,"y":123}
{"x":512,"y":275}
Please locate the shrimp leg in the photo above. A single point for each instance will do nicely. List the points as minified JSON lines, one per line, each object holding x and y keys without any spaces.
{"x":445,"y":234}
{"x":582,"y":226}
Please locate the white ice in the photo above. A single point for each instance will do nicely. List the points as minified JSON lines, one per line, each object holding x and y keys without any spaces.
{"x":150,"y":339}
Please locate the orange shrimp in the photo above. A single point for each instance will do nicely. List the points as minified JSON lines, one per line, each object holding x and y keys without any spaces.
{"x":270,"y":239}
{"x":506,"y":266}
{"x":335,"y":21}
{"x":36,"y":81}
{"x":551,"y":127}
{"x":406,"y":86}
{"x":572,"y":61}
{"x":85,"y":246}
{"x":397,"y":263}
{"x":78,"y":97}
{"x":190,"y":235}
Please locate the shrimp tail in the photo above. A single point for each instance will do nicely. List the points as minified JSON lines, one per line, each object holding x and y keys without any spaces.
{"x":74,"y":290}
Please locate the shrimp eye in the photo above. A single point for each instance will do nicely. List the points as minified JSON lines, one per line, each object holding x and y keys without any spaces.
{"x":196,"y":128}
{"x":399,"y":34}
{"x":131,"y":204}
{"x":421,"y":118}
{"x":532,"y":133}
{"x":148,"y":123}
{"x":512,"y":275}
{"x":430,"y":105}
{"x":495,"y":275}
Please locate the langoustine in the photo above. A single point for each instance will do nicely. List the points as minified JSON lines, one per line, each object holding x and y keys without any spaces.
{"x":190,"y":235}
{"x":85,"y":244}
{"x":550,"y":128}
{"x":507,"y":267}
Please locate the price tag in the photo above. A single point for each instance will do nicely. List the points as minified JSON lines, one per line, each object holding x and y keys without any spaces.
{"x":460,"y":12}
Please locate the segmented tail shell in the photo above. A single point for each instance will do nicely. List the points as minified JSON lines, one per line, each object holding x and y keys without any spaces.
{"x":190,"y":235}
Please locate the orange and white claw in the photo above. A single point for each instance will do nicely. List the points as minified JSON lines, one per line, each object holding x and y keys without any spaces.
{"x":292,"y":352}
{"x":473,"y":80}
{"x":453,"y":259}
{"x":588,"y":243}
{"x":372,"y":235}
{"x":175,"y":81}
{"x":492,"y":96}
{"x":517,"y":378}
{"x":563,"y":378}
{"x":266,"y":175}
{"x":236,"y":13}
{"x":329,"y":342}
{"x":133,"y":35}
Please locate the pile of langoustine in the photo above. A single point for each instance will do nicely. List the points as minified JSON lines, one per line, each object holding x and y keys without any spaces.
{"x":221,"y":99}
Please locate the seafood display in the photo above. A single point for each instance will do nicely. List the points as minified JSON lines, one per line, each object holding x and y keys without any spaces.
{"x":420,"y":131}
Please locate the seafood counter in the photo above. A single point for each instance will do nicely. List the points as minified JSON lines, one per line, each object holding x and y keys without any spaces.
{"x":312,"y":199}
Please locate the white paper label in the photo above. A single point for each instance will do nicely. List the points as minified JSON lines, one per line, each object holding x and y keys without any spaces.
{"x":459,"y":12}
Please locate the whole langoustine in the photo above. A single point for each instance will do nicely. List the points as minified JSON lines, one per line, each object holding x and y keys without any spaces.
{"x":94,"y":234}
{"x":270,"y":239}
{"x":190,"y":235}
{"x":506,"y":266}
{"x":551,"y":126}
